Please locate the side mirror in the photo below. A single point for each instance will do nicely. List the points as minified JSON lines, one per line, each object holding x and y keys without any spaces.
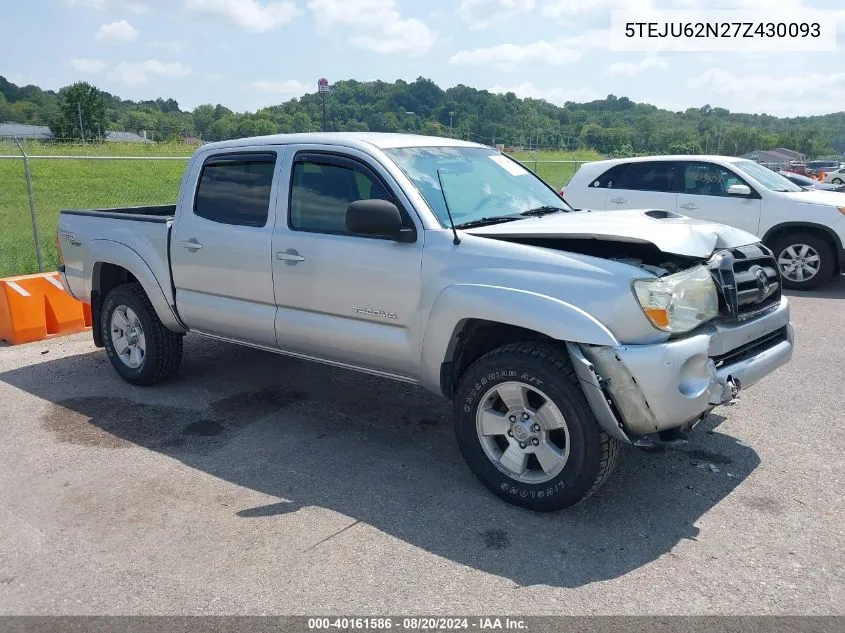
{"x":377,"y":218}
{"x":739,"y":190}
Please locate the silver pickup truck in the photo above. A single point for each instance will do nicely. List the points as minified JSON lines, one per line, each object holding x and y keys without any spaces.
{"x":558,"y":334}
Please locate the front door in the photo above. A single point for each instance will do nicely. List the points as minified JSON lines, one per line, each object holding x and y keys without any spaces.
{"x":221,"y":247}
{"x":344,"y":298}
{"x":704,"y":195}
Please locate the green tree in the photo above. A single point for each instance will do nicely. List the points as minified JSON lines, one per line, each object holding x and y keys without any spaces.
{"x":82,"y":113}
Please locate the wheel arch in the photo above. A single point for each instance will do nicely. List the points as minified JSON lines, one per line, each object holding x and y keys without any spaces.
{"x":469,"y":320}
{"x":825,"y":232}
{"x":115,"y":264}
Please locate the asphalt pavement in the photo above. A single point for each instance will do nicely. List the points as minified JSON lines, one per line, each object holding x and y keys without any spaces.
{"x":258,"y":484}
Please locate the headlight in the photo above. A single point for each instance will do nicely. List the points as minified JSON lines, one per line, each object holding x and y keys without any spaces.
{"x":680,"y":302}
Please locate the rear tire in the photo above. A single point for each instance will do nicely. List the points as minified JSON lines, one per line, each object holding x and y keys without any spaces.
{"x":552,"y":457}
{"x":805,"y":260}
{"x":140,"y":348}
{"x":837,"y":181}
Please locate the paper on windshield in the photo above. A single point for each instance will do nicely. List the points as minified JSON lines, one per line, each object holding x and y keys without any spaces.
{"x":513,"y":168}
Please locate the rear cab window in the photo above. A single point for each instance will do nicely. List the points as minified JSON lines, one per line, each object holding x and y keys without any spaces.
{"x":235,"y":188}
{"x":640,"y":176}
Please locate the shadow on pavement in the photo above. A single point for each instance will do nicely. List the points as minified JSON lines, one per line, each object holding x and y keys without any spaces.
{"x":381,"y":453}
{"x":834,"y":289}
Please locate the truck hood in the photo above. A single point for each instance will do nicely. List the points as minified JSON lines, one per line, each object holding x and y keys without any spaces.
{"x":670,"y":232}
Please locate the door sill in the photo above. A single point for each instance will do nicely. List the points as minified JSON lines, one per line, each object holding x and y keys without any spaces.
{"x":316,"y":359}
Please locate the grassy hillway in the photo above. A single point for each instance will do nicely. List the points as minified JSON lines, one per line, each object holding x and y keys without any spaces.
{"x":65,"y":184}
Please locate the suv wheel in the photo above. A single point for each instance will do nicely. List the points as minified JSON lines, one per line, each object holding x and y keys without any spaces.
{"x":805,"y":260}
{"x":526,"y":431}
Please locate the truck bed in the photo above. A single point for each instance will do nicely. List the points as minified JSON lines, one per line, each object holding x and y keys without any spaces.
{"x":155,"y":213}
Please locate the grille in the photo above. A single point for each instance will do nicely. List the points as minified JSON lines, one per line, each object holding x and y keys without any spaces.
{"x":753,"y":348}
{"x":748,"y":280}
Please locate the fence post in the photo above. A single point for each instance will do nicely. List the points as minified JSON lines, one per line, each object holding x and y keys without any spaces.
{"x":28,"y":176}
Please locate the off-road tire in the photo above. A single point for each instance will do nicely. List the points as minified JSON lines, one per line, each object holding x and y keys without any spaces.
{"x":817,"y":243}
{"x":593,"y":453}
{"x":163,"y":347}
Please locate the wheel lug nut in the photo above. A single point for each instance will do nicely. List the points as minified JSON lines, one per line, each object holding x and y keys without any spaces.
{"x":512,"y":418}
{"x":522,"y":445}
{"x":510,"y":433}
{"x":535,"y":428}
{"x":535,"y":442}
{"x":524,"y":416}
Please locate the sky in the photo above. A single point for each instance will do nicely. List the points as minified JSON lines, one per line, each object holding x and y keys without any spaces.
{"x":248,"y":54}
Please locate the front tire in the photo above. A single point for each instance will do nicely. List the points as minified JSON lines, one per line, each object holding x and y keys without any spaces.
{"x":837,"y":181}
{"x":526,"y":430}
{"x":805,"y":260}
{"x":140,"y":348}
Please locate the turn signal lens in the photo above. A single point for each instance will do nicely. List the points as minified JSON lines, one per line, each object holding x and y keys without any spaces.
{"x":842,"y":210}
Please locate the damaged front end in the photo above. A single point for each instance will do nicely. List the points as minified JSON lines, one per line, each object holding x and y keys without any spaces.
{"x":639,"y":390}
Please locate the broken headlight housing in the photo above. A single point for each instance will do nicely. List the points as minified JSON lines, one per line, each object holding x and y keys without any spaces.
{"x":681,"y":302}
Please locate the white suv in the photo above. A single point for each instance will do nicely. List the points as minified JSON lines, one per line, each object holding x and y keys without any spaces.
{"x":805,"y":229}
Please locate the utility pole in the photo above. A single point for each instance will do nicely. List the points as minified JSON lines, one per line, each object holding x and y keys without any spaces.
{"x":451,"y":114}
{"x":79,"y":111}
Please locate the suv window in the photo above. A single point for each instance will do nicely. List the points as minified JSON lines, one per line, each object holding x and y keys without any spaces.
{"x":648,"y":176}
{"x":320,"y":193}
{"x":707,"y":179}
{"x":235,"y":189}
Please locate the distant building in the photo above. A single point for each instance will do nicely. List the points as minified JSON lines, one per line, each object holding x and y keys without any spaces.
{"x":23,"y":131}
{"x":776,"y":159}
{"x":796,"y":156}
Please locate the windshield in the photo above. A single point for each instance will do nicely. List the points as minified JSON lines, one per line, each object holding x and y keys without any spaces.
{"x":477,"y":183}
{"x":766,"y":177}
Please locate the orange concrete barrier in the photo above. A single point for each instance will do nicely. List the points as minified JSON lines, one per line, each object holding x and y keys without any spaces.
{"x":36,"y":307}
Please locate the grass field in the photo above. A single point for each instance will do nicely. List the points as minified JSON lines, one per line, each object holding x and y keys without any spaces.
{"x":556,"y":174}
{"x":68,"y":184}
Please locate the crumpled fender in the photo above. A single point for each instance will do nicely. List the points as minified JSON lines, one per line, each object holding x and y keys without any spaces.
{"x":111,"y":252}
{"x":457,"y":303}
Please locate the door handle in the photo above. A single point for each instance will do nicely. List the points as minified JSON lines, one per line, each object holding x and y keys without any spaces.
{"x":618,"y":200}
{"x":290,"y":256}
{"x":689,"y":205}
{"x":191,"y":245}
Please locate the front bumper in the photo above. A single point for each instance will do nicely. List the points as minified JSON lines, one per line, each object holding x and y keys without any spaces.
{"x":636,"y":390}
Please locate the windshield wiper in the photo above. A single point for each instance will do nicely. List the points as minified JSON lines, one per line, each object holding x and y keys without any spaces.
{"x":541,"y":211}
{"x":486,"y":222}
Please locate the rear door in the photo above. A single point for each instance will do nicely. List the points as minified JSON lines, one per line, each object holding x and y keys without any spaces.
{"x":704,"y":195}
{"x":642,"y":185}
{"x":345,"y":298}
{"x":220,"y":248}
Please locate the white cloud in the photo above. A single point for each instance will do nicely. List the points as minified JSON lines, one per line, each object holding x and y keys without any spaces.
{"x":805,"y":94}
{"x":510,"y":57}
{"x":94,"y":66}
{"x":289,"y":88}
{"x":481,"y":14}
{"x":632,"y":69}
{"x":381,"y":28}
{"x":120,"y":31}
{"x":556,"y":95}
{"x":249,"y":14}
{"x":134,"y":73}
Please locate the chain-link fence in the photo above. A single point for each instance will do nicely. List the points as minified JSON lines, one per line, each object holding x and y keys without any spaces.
{"x":37,"y":180}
